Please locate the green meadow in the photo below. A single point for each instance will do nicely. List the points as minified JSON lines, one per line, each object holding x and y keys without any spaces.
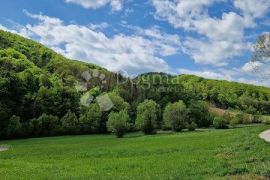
{"x":204,"y":154}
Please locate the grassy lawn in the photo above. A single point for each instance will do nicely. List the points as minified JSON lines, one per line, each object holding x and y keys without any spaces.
{"x":217,"y":154}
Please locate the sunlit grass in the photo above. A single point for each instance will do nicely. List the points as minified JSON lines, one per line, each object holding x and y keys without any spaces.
{"x":189,"y":155}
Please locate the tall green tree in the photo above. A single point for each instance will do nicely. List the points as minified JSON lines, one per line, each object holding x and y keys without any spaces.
{"x":147,"y":114}
{"x":175,"y":116}
{"x":118,"y":123}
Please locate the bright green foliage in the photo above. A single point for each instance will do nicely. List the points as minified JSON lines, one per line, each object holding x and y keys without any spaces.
{"x":175,"y":116}
{"x":90,"y":120}
{"x":35,"y":80}
{"x":220,"y":123}
{"x":118,"y":123}
{"x":147,"y":113}
{"x":118,"y":103}
{"x":70,"y":123}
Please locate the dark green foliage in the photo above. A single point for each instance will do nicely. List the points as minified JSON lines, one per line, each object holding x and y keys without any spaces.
{"x":192,"y":126}
{"x":175,"y":116}
{"x":14,"y":127}
{"x":147,"y":113}
{"x":220,"y":123}
{"x":35,"y":80}
{"x":118,"y":123}
{"x":45,"y":125}
{"x":198,"y":113}
{"x":70,"y":123}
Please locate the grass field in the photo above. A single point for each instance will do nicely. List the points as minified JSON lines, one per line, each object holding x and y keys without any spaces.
{"x":216,"y":154}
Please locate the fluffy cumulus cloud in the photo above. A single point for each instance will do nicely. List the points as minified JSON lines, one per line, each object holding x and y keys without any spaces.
{"x":220,"y":39}
{"x":252,"y":9}
{"x":143,"y":51}
{"x":94,"y":4}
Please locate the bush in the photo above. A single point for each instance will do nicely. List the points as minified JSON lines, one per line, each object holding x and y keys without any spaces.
{"x":257,"y":119}
{"x":199,"y":114}
{"x":220,"y":123}
{"x":239,"y":118}
{"x":14,"y":127}
{"x":244,"y":118}
{"x":234,"y":122}
{"x":70,"y":123}
{"x":118,"y":123}
{"x":45,"y":125}
{"x":175,"y":116}
{"x":147,"y":113}
{"x":192,"y":126}
{"x":227,"y":116}
{"x":266,"y":120}
{"x":247,"y":119}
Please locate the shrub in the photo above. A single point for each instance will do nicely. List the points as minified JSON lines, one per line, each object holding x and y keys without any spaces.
{"x":239,"y":118}
{"x":175,"y":116}
{"x":227,"y":116}
{"x":118,"y":123}
{"x":266,"y":120}
{"x":257,"y":119}
{"x":14,"y":127}
{"x":45,"y":125}
{"x":192,"y":126}
{"x":234,"y":122}
{"x":147,"y":113}
{"x":220,"y":123}
{"x":247,"y":119}
{"x":198,"y":113}
{"x":70,"y":123}
{"x":244,"y":118}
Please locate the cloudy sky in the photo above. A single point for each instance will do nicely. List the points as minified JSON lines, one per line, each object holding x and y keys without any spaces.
{"x":209,"y":38}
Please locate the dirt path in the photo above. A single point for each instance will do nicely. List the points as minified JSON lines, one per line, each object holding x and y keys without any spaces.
{"x":265,"y":135}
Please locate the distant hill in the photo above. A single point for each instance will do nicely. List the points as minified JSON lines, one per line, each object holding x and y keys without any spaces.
{"x":35,"y":80}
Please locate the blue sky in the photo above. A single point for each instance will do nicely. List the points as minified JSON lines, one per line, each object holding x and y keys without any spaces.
{"x":210,"y":38}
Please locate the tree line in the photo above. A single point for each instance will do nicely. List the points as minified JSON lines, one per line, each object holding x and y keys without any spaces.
{"x":38,"y":96}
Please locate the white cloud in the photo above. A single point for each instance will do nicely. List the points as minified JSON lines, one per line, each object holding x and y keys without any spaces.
{"x":141,"y":52}
{"x":180,"y":13}
{"x":252,"y":9}
{"x":212,"y":52}
{"x":252,"y":66}
{"x":100,"y":26}
{"x":219,"y":39}
{"x":116,"y":5}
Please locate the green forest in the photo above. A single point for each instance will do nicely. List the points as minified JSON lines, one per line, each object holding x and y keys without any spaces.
{"x":43,"y":93}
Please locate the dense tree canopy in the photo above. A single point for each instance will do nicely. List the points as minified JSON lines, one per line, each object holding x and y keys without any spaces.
{"x":41,"y":94}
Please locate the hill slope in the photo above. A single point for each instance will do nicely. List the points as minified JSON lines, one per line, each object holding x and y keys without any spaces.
{"x":35,"y":80}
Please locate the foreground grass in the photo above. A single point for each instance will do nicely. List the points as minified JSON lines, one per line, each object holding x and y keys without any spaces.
{"x":216,"y":154}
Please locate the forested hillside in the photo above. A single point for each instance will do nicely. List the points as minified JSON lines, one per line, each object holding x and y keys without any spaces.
{"x":41,"y":94}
